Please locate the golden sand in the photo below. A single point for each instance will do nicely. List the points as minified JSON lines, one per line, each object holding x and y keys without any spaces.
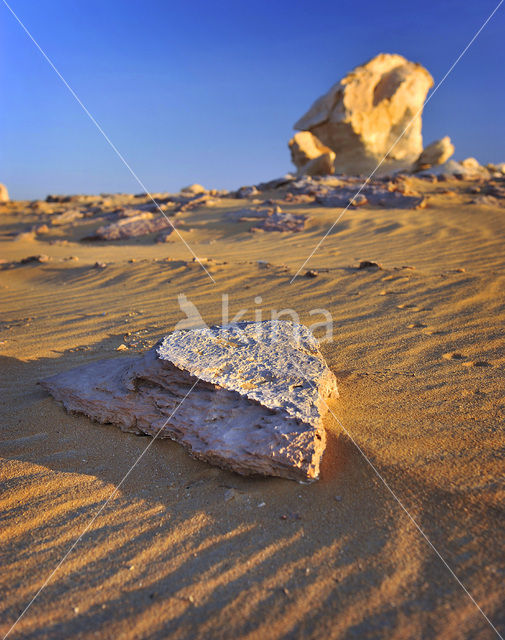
{"x":418,"y":354}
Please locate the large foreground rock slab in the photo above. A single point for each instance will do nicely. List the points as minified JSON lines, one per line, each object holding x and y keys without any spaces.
{"x":257,"y":407}
{"x":363,"y":114}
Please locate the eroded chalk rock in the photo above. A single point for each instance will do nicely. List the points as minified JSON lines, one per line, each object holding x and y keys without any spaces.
{"x":373,"y":193}
{"x":269,"y":219}
{"x":363,"y":115}
{"x":468,"y":169}
{"x":66,"y":217}
{"x":194,"y":189}
{"x":282,"y":221}
{"x":4,"y":194}
{"x":434,"y":154}
{"x":310,"y":156}
{"x":323,"y":165}
{"x":132,"y":227}
{"x":257,"y":407}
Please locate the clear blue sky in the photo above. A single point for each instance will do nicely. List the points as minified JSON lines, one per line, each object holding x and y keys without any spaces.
{"x":208,"y":90}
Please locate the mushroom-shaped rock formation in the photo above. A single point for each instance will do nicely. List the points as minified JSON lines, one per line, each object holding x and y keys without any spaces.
{"x":363,"y":115}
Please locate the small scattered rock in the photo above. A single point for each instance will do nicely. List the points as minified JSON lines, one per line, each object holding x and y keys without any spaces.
{"x":41,"y":228}
{"x":311,"y":273}
{"x":40,"y":258}
{"x":27,"y":234}
{"x":247,"y":192}
{"x":281,"y":221}
{"x":435,"y":153}
{"x":374,"y":193}
{"x":453,"y":356}
{"x":369,"y":264}
{"x":132,"y":227}
{"x":67,"y":217}
{"x":488,"y":201}
{"x":194,"y":189}
{"x":270,"y":219}
{"x":358,"y":201}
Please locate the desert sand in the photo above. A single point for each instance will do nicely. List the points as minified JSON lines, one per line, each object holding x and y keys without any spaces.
{"x":186,"y":550}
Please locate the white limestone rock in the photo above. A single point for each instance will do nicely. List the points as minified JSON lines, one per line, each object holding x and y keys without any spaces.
{"x":310,"y":156}
{"x":194,"y":189}
{"x":363,"y":115}
{"x":257,"y":407}
{"x":468,"y":169}
{"x":269,"y":219}
{"x":4,"y":194}
{"x":434,"y":154}
{"x":133,"y":226}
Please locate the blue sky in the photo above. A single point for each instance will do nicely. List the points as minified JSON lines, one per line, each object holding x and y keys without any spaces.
{"x":208,"y":91}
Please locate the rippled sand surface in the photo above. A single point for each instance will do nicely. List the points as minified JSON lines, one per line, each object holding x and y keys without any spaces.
{"x":185,"y":550}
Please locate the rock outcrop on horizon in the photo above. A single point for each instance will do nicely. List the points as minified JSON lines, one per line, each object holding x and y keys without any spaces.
{"x":257,"y":406}
{"x":435,"y":153}
{"x":361,"y":117}
{"x":4,"y":194}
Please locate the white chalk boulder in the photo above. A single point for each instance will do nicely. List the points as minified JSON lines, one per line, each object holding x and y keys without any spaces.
{"x":436,"y":153}
{"x":257,"y":407}
{"x":375,"y":106}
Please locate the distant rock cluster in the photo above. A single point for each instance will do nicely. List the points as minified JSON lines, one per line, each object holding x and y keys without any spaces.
{"x":373,"y":115}
{"x":368,"y":122}
{"x":283,"y":205}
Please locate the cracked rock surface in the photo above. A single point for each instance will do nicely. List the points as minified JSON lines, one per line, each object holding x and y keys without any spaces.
{"x":257,"y":407}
